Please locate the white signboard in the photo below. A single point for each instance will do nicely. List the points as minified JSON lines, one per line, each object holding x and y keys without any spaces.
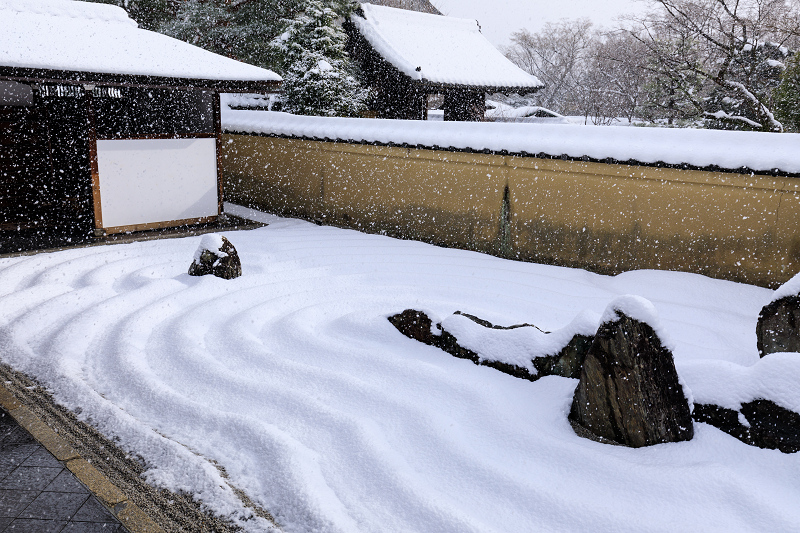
{"x":147,"y":181}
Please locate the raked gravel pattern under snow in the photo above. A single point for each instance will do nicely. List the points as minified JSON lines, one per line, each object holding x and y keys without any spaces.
{"x":292,"y":379}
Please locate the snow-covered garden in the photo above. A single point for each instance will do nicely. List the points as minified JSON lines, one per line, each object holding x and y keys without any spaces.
{"x":288,"y":388}
{"x":292,"y":379}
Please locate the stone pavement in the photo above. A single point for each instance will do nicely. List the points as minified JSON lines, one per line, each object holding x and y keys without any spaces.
{"x":37,"y":492}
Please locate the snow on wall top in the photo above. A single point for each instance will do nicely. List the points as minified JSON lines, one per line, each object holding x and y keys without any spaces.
{"x":444,"y":49}
{"x":731,"y":150}
{"x":87,"y":37}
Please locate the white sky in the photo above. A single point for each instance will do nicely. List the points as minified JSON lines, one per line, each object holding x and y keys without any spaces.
{"x":500,"y":18}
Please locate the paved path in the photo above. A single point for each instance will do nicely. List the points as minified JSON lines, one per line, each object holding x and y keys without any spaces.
{"x":38,"y":494}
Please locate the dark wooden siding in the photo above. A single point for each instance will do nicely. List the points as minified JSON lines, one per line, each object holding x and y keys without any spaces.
{"x":70,"y":192}
{"x":132,"y":112}
{"x":25,"y":168}
{"x":45,"y":185}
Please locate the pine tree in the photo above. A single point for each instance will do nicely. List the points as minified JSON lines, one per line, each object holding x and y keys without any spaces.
{"x":241,"y":29}
{"x":149,"y":14}
{"x":203,"y":23}
{"x":787,"y":96}
{"x":253,"y":24}
{"x":318,"y":75}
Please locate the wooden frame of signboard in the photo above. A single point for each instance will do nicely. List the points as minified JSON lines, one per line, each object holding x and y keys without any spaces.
{"x":129,"y":191}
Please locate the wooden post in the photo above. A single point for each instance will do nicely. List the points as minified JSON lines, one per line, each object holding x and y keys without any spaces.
{"x":98,"y":209}
{"x":218,"y":136}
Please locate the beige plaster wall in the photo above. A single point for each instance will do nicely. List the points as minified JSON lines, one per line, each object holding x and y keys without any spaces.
{"x":608,"y":218}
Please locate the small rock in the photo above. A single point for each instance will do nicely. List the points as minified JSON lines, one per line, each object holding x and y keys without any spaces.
{"x":216,"y":255}
{"x":629,"y":391}
{"x":415,"y":325}
{"x":772,"y":426}
{"x":767,"y":424}
{"x":778,"y":327}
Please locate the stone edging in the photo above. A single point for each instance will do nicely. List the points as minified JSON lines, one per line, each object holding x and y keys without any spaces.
{"x":127,"y":512}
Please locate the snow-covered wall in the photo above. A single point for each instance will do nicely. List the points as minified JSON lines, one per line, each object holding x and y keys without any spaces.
{"x":606,"y":217}
{"x":720,"y":203}
{"x":729,"y":150}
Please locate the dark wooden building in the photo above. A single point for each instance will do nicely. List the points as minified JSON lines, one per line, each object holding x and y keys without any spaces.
{"x":406,"y":56}
{"x":104,"y":127}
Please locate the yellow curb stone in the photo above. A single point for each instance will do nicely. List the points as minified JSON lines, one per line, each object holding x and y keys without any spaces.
{"x":97,"y":482}
{"x":44,"y":434}
{"x":7,"y":400}
{"x":137,"y":521}
{"x":130,"y":515}
{"x":29,"y":421}
{"x":56,"y":445}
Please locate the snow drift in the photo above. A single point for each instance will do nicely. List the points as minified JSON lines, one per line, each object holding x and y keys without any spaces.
{"x":730,"y":150}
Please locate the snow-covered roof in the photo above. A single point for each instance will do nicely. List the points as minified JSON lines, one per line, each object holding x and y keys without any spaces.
{"x":437,"y":49}
{"x":68,"y":35}
{"x":730,"y":150}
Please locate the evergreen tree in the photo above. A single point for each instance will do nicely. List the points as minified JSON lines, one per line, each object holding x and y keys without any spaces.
{"x":787,"y":96}
{"x":318,"y":75}
{"x":204,"y":23}
{"x":149,"y":14}
{"x":258,"y":22}
{"x":241,"y":29}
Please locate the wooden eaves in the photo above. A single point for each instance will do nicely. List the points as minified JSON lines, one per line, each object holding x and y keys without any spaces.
{"x":435,"y":87}
{"x":35,"y":75}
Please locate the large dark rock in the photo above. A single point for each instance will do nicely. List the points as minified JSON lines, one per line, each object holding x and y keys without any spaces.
{"x":629,"y":391}
{"x":567,"y":362}
{"x":216,"y":255}
{"x":449,"y":344}
{"x":768,"y":425}
{"x":778,"y":328}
